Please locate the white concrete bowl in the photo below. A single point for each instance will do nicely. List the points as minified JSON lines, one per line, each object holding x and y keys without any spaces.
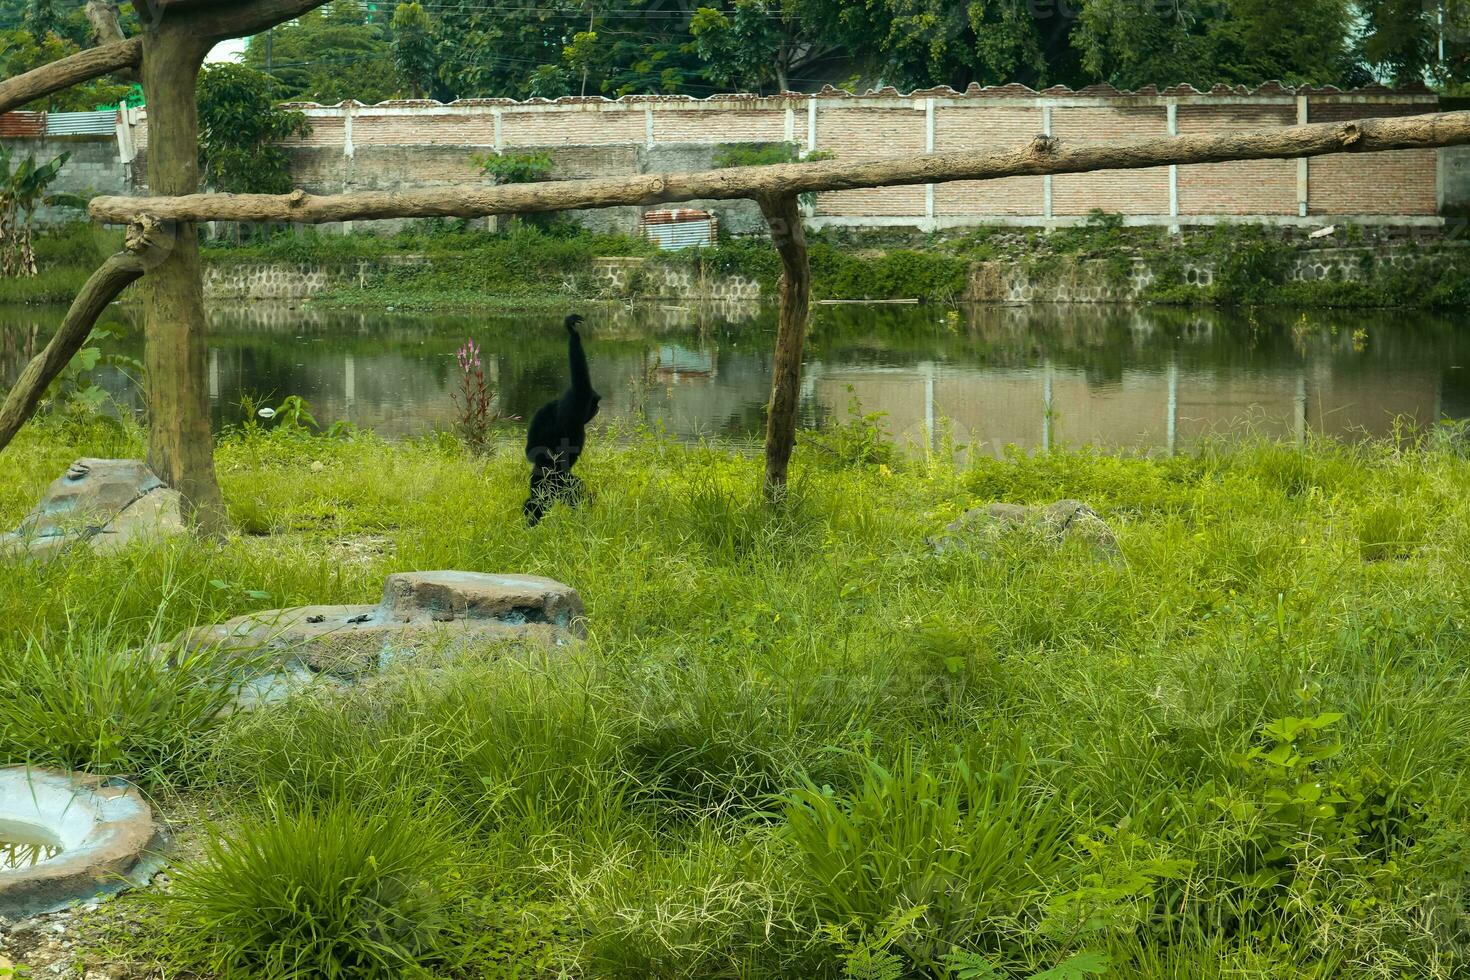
{"x":104,"y":829}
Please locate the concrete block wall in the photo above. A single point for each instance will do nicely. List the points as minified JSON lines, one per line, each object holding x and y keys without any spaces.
{"x":642,"y":134}
{"x":416,"y":143}
{"x":94,"y":168}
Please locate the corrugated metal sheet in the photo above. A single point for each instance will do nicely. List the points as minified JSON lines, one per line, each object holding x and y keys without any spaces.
{"x":23,"y":125}
{"x":682,"y":234}
{"x":81,"y":123}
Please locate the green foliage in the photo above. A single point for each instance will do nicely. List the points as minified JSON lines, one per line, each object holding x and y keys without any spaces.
{"x":240,"y":127}
{"x":413,"y":47}
{"x":75,"y":388}
{"x":337,"y":892}
{"x":42,"y":35}
{"x":84,"y":698}
{"x":1026,"y":762}
{"x":515,"y":168}
{"x":1238,"y":42}
{"x":965,"y":846}
{"x":361,"y":50}
{"x":342,"y":50}
{"x":755,"y":154}
{"x":861,"y":440}
{"x":23,"y":189}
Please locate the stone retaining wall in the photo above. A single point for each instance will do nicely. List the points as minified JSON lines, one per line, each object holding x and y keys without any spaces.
{"x":1100,"y":280}
{"x":1008,"y":281}
{"x":629,"y":277}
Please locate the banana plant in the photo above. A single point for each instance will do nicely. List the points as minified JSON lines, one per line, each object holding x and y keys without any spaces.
{"x":23,"y":189}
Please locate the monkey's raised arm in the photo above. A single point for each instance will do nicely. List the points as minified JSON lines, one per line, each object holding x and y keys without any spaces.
{"x":581,"y":379}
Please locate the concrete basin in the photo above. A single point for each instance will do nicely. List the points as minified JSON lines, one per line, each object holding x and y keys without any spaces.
{"x":93,"y":837}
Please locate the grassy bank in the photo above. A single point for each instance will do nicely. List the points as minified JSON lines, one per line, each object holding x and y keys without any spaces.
{"x":797,"y":743}
{"x":534,"y":267}
{"x":66,"y":257}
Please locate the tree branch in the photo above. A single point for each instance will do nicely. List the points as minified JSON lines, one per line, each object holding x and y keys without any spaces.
{"x":223,"y":19}
{"x":81,"y":67}
{"x":1043,"y":155}
{"x":106,"y":29}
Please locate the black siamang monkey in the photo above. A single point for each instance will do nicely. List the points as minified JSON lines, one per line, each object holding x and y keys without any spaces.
{"x":557,"y":434}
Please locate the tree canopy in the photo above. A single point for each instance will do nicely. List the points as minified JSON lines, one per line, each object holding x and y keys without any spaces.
{"x":467,"y":48}
{"x":36,"y":32}
{"x":371,"y":50}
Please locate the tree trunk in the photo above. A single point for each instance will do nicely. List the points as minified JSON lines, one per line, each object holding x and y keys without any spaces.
{"x":783,"y":214}
{"x":116,"y":274}
{"x":180,"y":442}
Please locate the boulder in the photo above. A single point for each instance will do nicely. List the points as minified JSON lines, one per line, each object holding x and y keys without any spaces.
{"x":445,"y":612}
{"x":1065,"y":520}
{"x":104,"y":503}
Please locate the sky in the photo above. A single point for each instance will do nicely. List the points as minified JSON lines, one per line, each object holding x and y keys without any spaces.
{"x":228,"y":51}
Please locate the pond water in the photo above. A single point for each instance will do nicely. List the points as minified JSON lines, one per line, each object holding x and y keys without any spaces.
{"x":24,"y":845}
{"x":1149,"y":379}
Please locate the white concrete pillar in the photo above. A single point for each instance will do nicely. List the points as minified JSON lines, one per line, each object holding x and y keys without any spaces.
{"x":1046,"y":180}
{"x":811,"y":124}
{"x":498,"y":116}
{"x":790,"y":123}
{"x":214,"y":374}
{"x":1302,"y":190}
{"x":648,"y":125}
{"x":348,"y":149}
{"x":349,"y":381}
{"x":1173,"y":116}
{"x":929,"y":148}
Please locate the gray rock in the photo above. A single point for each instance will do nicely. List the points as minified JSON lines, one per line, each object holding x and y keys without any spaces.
{"x":105,"y":503}
{"x":283,"y":650}
{"x":1065,"y":520}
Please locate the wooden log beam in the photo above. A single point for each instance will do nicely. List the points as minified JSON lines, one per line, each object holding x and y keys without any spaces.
{"x":1043,"y":155}
{"x":783,"y":215}
{"x":117,"y":273}
{"x":83,"y":66}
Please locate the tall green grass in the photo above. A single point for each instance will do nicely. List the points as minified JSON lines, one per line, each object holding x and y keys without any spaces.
{"x":799,"y":743}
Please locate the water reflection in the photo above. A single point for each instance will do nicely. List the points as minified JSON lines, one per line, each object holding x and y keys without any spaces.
{"x":1148,"y":379}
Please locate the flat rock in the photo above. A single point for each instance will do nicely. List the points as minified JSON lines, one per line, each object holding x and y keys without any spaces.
{"x":105,"y":503}
{"x":442,"y":612}
{"x":1065,"y":520}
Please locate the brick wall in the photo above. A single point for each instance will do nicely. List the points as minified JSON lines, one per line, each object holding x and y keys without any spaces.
{"x":400,"y":144}
{"x":884,"y":124}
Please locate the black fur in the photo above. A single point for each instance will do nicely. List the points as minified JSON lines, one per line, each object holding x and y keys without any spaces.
{"x":558,"y":433}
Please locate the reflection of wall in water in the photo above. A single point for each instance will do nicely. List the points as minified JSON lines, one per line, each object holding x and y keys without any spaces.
{"x":987,"y":410}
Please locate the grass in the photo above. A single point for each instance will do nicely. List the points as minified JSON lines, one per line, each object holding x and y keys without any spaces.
{"x":797,"y":743}
{"x":66,"y":257}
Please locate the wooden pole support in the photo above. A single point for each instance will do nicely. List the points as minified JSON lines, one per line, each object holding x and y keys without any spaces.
{"x":783,"y":215}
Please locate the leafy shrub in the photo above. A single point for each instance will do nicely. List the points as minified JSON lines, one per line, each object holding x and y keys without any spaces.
{"x":754,"y":154}
{"x":861,"y":440}
{"x":515,"y":168}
